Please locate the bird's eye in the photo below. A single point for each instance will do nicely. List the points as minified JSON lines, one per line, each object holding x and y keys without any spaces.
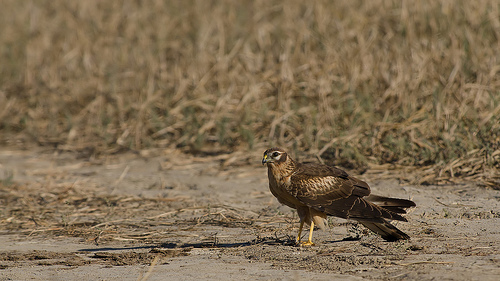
{"x":275,"y":154}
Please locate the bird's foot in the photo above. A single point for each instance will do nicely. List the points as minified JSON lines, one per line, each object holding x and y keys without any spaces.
{"x":306,"y":244}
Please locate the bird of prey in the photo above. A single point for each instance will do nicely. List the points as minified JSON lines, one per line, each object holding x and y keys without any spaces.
{"x":317,"y":191}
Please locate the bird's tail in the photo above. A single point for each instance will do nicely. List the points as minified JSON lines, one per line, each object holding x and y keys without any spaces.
{"x":395,"y":205}
{"x":385,"y":229}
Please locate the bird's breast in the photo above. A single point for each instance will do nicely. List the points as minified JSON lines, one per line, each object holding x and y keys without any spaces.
{"x":279,"y":187}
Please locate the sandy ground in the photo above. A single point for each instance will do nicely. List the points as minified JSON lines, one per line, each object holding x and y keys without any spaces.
{"x":163,"y":215}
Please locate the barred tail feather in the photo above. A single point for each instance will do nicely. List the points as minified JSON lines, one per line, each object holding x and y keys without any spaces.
{"x":395,"y":205}
{"x":388,"y":231}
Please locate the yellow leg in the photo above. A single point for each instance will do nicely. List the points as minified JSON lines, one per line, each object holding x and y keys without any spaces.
{"x":309,"y":241}
{"x":300,"y":231}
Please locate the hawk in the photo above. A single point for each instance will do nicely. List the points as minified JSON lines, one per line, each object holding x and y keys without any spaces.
{"x":317,"y":191}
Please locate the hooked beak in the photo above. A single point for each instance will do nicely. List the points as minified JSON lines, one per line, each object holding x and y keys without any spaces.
{"x":264,"y":160}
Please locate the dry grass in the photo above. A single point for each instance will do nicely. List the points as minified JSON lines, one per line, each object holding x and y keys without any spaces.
{"x":409,"y":83}
{"x":67,"y":210}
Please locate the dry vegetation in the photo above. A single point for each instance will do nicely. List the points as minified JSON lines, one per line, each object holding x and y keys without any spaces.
{"x":357,"y":83}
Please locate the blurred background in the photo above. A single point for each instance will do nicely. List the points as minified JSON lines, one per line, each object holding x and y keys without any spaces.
{"x":360,"y":84}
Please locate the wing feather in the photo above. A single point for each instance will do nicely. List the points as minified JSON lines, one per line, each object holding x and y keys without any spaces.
{"x":333,"y":191}
{"x":331,"y":182}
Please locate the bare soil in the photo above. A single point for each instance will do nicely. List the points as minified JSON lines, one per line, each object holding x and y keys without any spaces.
{"x":160,"y":215}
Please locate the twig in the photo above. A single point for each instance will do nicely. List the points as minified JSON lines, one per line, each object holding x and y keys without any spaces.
{"x":150,"y":270}
{"x":108,"y":222}
{"x":457,"y":205}
{"x":425,"y":262}
{"x":122,"y":176}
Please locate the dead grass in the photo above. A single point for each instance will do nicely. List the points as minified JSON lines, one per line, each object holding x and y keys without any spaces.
{"x":66,"y":210}
{"x":407,"y":84}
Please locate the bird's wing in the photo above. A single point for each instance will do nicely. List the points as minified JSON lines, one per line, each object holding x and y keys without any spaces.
{"x":325,"y":182}
{"x":334,"y":192}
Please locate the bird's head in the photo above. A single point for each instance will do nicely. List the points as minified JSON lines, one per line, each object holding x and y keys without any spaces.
{"x":274,"y":155}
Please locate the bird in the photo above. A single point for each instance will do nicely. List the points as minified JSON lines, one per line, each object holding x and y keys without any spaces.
{"x":317,"y":190}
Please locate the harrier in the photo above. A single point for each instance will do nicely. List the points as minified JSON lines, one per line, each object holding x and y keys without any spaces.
{"x":317,"y":191}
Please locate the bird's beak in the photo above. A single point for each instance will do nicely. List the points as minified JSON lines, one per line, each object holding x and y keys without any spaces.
{"x":264,"y":160}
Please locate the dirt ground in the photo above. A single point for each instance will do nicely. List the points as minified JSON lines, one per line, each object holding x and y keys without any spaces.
{"x":164,"y":215}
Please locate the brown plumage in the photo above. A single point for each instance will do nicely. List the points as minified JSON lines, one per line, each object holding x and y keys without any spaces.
{"x":318,"y":190}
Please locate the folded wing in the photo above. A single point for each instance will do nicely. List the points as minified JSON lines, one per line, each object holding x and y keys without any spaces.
{"x":334,"y":192}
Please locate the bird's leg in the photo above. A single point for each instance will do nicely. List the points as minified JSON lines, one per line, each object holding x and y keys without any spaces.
{"x":309,"y":241}
{"x":300,"y":231}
